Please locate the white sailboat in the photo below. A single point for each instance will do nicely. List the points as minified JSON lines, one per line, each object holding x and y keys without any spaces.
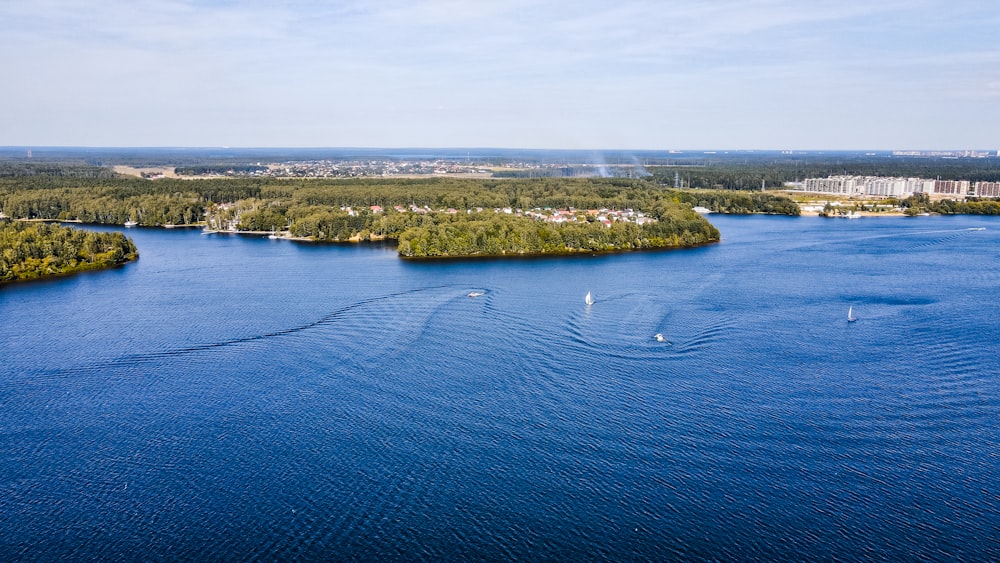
{"x":588,"y":299}
{"x":850,"y":315}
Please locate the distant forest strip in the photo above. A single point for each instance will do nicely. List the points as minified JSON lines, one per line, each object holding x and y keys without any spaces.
{"x":727,"y":171}
{"x":23,"y":168}
{"x":36,"y":250}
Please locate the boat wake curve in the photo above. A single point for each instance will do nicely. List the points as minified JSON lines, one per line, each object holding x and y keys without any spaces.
{"x":132,"y":360}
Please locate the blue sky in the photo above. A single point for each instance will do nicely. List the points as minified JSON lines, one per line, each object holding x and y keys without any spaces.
{"x":628,"y":74}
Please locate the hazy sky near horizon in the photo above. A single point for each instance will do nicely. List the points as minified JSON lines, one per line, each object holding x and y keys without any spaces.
{"x":629,"y":74}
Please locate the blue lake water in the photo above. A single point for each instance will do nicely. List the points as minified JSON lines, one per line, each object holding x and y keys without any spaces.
{"x":233,"y":398}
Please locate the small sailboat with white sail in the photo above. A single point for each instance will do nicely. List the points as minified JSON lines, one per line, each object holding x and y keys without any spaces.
{"x":589,"y":300}
{"x":850,"y":314}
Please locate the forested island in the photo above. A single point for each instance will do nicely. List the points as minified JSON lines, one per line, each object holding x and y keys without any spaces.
{"x":436,"y":217}
{"x":32,"y":250}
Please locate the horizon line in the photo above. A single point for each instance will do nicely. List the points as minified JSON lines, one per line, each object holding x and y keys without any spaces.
{"x":483,"y":148}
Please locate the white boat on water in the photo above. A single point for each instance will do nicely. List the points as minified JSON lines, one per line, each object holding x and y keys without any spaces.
{"x":850,"y":315}
{"x":660,"y":338}
{"x":131,"y":223}
{"x":588,"y":299}
{"x":475,"y":293}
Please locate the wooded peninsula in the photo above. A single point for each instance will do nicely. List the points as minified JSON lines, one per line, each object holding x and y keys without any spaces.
{"x":435,"y":217}
{"x":32,"y":250}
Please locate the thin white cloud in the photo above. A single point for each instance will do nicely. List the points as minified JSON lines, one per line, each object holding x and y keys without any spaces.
{"x":340,"y":72}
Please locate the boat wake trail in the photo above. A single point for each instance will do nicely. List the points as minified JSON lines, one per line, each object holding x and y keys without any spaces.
{"x":704,"y":337}
{"x":949,"y":236}
{"x":134,"y":360}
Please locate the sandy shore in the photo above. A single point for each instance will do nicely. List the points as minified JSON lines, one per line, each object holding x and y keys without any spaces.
{"x":165,"y":171}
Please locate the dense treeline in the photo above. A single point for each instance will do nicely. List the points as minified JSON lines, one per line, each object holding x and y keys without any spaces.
{"x":116,"y":200}
{"x":104,"y":205}
{"x":35,"y":250}
{"x":12,"y":169}
{"x":739,"y":203}
{"x":120,"y":187}
{"x":921,"y":203}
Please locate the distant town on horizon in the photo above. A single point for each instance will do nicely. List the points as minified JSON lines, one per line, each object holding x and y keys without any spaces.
{"x":19,"y":152}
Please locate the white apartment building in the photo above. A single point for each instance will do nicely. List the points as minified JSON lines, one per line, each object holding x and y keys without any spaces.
{"x":899,"y":187}
{"x":869,"y":185}
{"x":987,"y":189}
{"x":952,"y":187}
{"x":844,"y":185}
